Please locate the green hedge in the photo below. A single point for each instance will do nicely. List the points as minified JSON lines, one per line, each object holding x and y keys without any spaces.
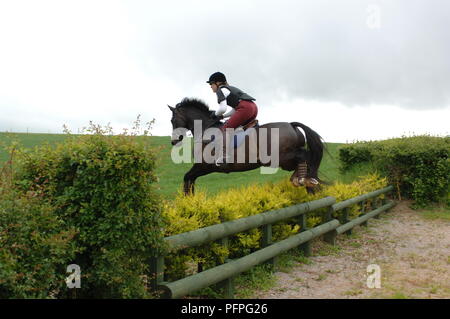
{"x":35,"y":245}
{"x":418,"y":166}
{"x":99,"y":189}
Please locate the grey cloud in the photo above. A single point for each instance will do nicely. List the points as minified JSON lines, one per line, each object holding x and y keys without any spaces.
{"x":321,"y":50}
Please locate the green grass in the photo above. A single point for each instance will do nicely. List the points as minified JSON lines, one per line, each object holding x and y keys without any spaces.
{"x":262,"y":277}
{"x":259,"y":278}
{"x":171,"y":175}
{"x":437,"y":211}
{"x":400,"y":295}
{"x":325,"y":249}
{"x":27,"y":140}
{"x":353,"y":292}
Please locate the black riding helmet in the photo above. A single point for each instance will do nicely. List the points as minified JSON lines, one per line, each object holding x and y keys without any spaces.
{"x":216,"y":77}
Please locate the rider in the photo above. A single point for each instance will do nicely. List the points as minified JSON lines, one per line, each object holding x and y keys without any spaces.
{"x":243,"y":109}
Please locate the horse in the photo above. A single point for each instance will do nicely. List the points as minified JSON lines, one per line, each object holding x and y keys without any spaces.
{"x":294,"y":149}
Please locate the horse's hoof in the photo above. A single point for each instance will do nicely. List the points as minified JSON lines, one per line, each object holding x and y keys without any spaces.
{"x":311,"y":182}
{"x":308,"y":182}
{"x":295,"y":182}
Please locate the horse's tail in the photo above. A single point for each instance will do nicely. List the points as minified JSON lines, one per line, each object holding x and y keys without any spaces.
{"x":314,"y":146}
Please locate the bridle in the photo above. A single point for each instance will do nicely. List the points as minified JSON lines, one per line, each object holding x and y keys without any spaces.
{"x":183,"y":118}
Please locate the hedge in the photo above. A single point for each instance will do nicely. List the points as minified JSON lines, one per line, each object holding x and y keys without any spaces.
{"x":95,"y":198}
{"x":35,"y":244}
{"x":418,"y":166}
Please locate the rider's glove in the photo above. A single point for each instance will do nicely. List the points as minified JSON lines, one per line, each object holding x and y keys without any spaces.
{"x":216,"y":117}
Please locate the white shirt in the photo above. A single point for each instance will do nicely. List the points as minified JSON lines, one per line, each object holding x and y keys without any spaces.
{"x":223,"y":105}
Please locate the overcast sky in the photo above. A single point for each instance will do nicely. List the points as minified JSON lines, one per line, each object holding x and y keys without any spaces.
{"x":351,"y":70}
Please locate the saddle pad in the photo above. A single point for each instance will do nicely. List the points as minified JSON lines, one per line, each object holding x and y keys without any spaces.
{"x":239,"y":138}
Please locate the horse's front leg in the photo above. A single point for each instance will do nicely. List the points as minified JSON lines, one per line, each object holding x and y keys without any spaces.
{"x":196,"y":171}
{"x":189,"y":183}
{"x":189,"y":186}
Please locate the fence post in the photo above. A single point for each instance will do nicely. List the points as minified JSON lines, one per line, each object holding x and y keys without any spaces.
{"x":384,"y":201}
{"x":363,"y":211}
{"x":329,"y":237}
{"x":267,"y":241}
{"x":227,"y":284}
{"x":156,"y":271}
{"x":345,"y":220}
{"x":377,"y":202}
{"x":305,"y":247}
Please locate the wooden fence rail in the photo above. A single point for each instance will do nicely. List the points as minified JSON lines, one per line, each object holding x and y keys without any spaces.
{"x":223,"y":274}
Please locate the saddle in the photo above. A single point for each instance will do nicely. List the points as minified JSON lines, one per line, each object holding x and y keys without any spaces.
{"x":253,"y":123}
{"x":240,"y":133}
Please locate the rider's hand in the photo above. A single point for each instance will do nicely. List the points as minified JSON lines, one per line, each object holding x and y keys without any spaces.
{"x":216,"y":117}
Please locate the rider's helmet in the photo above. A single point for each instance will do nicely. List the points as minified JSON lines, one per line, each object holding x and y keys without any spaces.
{"x":217,"y":77}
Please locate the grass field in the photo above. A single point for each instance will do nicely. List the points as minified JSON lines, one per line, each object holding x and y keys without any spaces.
{"x":171,"y":175}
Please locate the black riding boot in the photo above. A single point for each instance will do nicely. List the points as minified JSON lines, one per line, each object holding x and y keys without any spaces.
{"x":224,"y":158}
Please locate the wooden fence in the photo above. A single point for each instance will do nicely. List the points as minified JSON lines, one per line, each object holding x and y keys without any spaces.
{"x":223,"y":274}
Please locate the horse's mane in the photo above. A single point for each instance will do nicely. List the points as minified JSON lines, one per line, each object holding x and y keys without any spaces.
{"x":193,"y":102}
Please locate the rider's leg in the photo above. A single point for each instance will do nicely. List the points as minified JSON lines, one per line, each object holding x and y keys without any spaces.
{"x":227,"y":135}
{"x":246,"y":111}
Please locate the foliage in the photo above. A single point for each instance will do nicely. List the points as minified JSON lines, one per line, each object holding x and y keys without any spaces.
{"x":187,"y":213}
{"x":171,"y":174}
{"x":35,"y":244}
{"x":100,"y":185}
{"x":418,"y":166}
{"x":91,"y":201}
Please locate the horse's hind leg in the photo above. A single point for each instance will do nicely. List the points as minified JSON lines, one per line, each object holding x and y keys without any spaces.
{"x":304,"y":174}
{"x":300,"y":170}
{"x":299,"y":177}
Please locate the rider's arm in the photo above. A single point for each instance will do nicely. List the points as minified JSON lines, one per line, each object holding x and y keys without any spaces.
{"x":231,"y":112}
{"x":222,"y":94}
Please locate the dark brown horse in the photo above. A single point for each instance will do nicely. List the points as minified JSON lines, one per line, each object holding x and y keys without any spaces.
{"x":292,"y":148}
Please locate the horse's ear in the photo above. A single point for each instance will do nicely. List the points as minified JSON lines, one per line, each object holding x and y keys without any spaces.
{"x":171,"y":108}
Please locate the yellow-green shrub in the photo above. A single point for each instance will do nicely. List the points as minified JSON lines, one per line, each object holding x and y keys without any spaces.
{"x":362,"y":186}
{"x":187,"y":213}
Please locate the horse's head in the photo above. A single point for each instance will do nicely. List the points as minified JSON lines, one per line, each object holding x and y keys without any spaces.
{"x":184,"y":115}
{"x":179,"y":124}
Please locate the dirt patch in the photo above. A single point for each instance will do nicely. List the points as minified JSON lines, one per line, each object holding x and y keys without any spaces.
{"x":413,"y":254}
